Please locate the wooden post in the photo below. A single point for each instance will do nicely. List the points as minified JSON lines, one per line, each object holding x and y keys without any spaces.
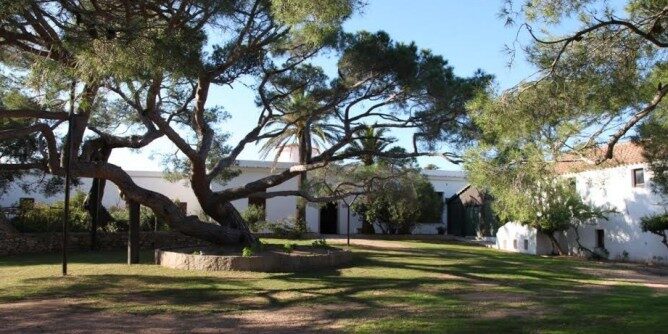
{"x":95,"y":217}
{"x":133,"y":232}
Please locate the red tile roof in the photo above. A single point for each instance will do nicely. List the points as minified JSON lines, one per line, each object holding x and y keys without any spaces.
{"x":625,"y":153}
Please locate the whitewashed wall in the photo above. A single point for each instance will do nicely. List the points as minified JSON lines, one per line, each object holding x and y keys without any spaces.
{"x":515,"y":237}
{"x":278,"y":208}
{"x":613,"y":187}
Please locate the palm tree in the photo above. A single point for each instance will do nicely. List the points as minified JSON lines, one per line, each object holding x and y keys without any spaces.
{"x":302,"y":128}
{"x":369,"y":142}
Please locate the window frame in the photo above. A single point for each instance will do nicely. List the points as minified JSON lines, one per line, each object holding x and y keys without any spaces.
{"x":600,"y":238}
{"x":634,"y":178}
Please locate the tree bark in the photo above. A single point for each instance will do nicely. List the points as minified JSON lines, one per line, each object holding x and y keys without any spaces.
{"x":133,"y":232}
{"x":555,"y":244}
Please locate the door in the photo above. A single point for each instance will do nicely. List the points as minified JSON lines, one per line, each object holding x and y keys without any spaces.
{"x":329,"y":219}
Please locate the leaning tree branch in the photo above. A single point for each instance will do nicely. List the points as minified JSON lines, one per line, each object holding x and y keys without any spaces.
{"x":632,"y":122}
{"x":48,"y":136}
{"x":29,"y":113}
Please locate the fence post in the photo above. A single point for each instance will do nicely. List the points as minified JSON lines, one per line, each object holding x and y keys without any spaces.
{"x":133,"y":232}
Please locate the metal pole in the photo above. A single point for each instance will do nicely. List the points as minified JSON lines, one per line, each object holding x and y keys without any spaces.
{"x":348,"y":227}
{"x":95,"y":221}
{"x":68,"y":154}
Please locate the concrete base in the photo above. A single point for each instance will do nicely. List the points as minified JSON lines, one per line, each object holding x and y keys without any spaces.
{"x":269,"y":261}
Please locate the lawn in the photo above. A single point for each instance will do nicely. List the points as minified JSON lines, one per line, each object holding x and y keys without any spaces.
{"x":407,"y":286}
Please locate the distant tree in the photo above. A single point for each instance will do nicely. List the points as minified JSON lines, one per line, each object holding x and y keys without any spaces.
{"x":368,"y":143}
{"x":528,"y":192}
{"x":396,"y":204}
{"x":300,"y":123}
{"x":136,"y":71}
{"x":653,"y":137}
{"x":594,"y":85}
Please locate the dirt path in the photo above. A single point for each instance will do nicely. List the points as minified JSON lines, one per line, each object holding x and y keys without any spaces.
{"x":387,"y":244}
{"x":76,"y":316}
{"x":651,"y":277}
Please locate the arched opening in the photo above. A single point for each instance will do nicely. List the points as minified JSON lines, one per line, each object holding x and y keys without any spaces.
{"x":329,"y":219}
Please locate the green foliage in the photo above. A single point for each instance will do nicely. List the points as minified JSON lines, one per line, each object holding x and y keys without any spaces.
{"x":289,"y":247}
{"x":399,"y":200}
{"x":320,"y":243}
{"x":40,"y":218}
{"x":653,"y":137}
{"x":288,"y":228}
{"x":526,"y":190}
{"x":657,"y":224}
{"x":254,"y":216}
{"x":121,"y":218}
{"x":247,"y":252}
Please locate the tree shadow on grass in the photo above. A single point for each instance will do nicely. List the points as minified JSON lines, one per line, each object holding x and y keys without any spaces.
{"x":385,"y":291}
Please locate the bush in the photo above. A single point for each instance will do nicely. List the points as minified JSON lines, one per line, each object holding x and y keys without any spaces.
{"x":320,"y":243}
{"x":440,"y":230}
{"x":254,"y":216}
{"x":121,"y":217}
{"x":657,"y":224}
{"x":247,"y":252}
{"x":288,"y":248}
{"x":288,"y":228}
{"x":40,"y":217}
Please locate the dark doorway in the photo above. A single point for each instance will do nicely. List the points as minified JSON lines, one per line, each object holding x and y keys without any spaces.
{"x":329,"y":219}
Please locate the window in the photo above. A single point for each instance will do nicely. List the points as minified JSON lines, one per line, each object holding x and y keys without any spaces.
{"x":600,"y":239}
{"x":526,"y":244}
{"x":515,"y":244}
{"x":638,"y":177}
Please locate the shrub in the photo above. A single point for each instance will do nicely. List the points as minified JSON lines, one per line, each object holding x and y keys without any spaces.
{"x":40,"y":217}
{"x":657,"y":224}
{"x":320,"y":243}
{"x":440,"y":230}
{"x":254,"y":216}
{"x":121,"y":217}
{"x":247,"y":252}
{"x":288,"y":248}
{"x":287,"y":228}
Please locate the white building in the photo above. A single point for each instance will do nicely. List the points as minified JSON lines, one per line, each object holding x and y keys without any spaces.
{"x":622,"y":184}
{"x":329,"y":218}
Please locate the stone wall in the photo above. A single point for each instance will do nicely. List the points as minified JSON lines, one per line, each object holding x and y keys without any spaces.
{"x":25,"y":243}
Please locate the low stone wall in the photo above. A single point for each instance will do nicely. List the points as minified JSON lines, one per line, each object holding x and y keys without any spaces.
{"x":26,"y":243}
{"x":267,"y":262}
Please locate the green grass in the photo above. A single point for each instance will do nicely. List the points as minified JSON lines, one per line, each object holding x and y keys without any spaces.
{"x":428,"y":287}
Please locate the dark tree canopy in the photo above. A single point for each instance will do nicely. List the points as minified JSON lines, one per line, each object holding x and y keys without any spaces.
{"x":136,"y":71}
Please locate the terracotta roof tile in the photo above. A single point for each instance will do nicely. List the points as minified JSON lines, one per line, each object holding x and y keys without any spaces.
{"x":625,"y":153}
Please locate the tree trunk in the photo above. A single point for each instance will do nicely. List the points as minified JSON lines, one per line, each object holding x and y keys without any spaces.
{"x":230,"y":229}
{"x":133,"y":232}
{"x":300,"y":209}
{"x":555,"y":244}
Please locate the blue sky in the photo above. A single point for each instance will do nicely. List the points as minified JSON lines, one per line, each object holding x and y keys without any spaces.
{"x":468,"y":34}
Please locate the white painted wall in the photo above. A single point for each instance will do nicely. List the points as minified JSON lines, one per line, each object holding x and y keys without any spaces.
{"x":515,"y":237}
{"x":613,"y":188}
{"x":278,"y":208}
